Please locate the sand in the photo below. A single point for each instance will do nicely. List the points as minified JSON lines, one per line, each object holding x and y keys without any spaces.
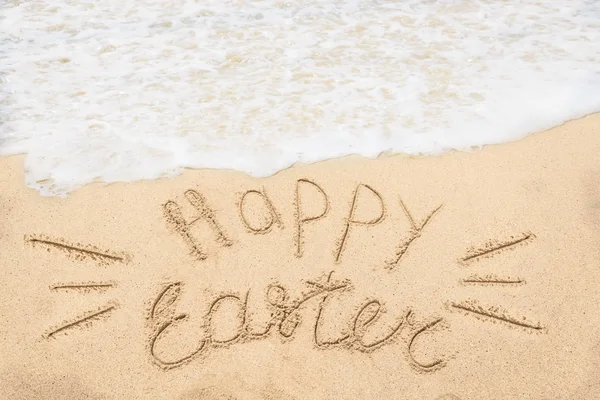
{"x":463,"y":276}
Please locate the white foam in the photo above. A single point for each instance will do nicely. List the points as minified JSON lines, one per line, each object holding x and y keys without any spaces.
{"x":121,"y":90}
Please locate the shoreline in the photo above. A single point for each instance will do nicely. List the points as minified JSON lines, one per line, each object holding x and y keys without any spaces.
{"x":20,"y":158}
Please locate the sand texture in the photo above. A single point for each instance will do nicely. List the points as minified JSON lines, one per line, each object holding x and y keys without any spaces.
{"x":465,"y":276}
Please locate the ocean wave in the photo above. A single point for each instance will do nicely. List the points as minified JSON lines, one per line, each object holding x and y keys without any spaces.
{"x":126,"y":90}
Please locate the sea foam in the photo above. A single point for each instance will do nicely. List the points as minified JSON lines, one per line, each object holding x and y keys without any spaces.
{"x":121,"y":90}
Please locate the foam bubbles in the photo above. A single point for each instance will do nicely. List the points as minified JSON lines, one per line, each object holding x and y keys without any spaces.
{"x":121,"y":90}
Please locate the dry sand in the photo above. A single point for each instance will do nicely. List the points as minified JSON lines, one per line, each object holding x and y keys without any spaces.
{"x":465,"y":276}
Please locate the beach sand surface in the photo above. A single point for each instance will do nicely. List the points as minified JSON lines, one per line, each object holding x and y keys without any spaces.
{"x":463,"y":276}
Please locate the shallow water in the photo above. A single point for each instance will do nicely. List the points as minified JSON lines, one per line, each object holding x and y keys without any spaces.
{"x":125,"y":90}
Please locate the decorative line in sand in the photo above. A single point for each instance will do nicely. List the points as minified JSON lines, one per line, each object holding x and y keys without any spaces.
{"x":494,"y":247}
{"x":85,"y":318}
{"x":492,"y":280}
{"x":77,"y":250}
{"x":83,"y":286}
{"x":495,"y":314}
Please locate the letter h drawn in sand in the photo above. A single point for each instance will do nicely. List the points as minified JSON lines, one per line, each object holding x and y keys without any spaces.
{"x":80,"y":252}
{"x":176,"y":219}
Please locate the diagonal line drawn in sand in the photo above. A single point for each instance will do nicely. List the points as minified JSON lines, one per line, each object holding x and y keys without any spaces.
{"x":495,"y":314}
{"x":86,"y":318}
{"x":78,"y":251}
{"x":415,"y":233}
{"x":495,"y":247}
